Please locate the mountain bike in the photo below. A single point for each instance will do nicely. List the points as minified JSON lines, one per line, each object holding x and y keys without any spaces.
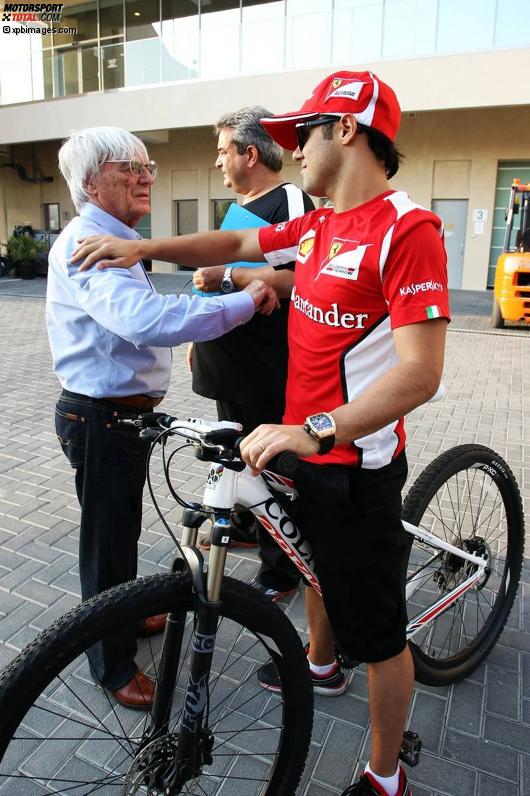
{"x":212,"y":729}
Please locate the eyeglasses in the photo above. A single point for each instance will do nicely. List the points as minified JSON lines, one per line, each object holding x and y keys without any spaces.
{"x":303,"y":130}
{"x":137,"y":167}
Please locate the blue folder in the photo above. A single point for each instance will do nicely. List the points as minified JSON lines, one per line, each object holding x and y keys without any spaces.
{"x":238,"y":218}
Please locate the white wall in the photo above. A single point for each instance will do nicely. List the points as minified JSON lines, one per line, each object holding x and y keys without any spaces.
{"x":445,"y":82}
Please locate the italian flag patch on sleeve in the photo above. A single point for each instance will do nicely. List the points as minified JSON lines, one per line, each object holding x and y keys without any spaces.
{"x":433,"y":312}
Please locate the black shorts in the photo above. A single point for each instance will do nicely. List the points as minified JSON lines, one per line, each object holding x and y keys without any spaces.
{"x":352,"y":518}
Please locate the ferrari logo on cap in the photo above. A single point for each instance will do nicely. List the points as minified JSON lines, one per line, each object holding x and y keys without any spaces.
{"x":345,"y":89}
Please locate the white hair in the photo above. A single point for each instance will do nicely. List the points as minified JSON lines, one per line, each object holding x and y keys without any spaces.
{"x":84,"y":152}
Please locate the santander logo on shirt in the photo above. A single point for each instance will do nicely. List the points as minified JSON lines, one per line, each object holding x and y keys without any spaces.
{"x":332,"y":317}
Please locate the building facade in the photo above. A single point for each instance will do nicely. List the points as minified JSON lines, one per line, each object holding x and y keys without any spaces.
{"x":167,"y":69}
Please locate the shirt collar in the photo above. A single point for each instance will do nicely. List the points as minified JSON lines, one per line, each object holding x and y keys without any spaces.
{"x":108,"y":222}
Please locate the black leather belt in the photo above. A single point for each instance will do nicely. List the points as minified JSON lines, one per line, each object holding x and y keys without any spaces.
{"x":140,"y":402}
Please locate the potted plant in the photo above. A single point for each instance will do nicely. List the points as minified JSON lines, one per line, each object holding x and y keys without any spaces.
{"x":22,"y":251}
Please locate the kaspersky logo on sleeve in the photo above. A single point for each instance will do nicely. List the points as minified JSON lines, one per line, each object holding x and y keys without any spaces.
{"x":32,"y":12}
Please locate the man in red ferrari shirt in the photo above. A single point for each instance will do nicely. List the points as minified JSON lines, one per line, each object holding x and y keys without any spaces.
{"x":367,"y":327}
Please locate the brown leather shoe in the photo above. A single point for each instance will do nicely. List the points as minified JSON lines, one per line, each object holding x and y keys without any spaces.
{"x":152,"y":625}
{"x":138,"y":693}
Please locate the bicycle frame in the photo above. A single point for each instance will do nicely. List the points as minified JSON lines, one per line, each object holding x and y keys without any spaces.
{"x":225,"y":487}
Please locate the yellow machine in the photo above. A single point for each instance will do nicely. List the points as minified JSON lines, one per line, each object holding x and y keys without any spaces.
{"x":511,"y":291}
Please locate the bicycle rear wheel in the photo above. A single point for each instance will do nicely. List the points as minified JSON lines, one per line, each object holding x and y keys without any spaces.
{"x":61,"y":734}
{"x":467,"y":496}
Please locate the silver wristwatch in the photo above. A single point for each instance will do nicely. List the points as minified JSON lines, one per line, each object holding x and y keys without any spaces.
{"x":227,"y":286}
{"x":322,"y":428}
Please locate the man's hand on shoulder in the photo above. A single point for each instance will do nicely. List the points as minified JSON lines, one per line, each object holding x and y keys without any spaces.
{"x":209,"y":279}
{"x":107,"y":251}
{"x":264,"y":297}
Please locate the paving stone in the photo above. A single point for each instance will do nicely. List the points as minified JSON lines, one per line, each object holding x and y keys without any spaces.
{"x":342,"y":745}
{"x":504,"y":658}
{"x":38,"y":592}
{"x":511,"y":734}
{"x":427,"y":716}
{"x":68,"y":582}
{"x":49,"y":574}
{"x":20,"y":574}
{"x":502,"y":693}
{"x":481,"y":755}
{"x":491,"y":786}
{"x":525,"y":775}
{"x":18,"y":619}
{"x":445,"y":776}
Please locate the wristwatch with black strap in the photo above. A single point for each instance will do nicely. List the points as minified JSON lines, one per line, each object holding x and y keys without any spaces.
{"x":227,"y":285}
{"x":322,"y":428}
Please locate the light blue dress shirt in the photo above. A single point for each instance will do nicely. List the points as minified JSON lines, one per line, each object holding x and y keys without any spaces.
{"x":110,"y":333}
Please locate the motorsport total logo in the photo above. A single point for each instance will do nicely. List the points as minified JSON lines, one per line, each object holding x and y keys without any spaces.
{"x":32,"y":12}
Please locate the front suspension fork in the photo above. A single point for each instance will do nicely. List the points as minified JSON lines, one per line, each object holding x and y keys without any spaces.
{"x":194,"y":743}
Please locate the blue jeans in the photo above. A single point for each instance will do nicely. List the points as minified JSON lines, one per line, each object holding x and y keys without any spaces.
{"x":109,"y":462}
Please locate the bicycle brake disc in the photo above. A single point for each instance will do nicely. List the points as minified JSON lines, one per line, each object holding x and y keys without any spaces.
{"x":145,"y":774}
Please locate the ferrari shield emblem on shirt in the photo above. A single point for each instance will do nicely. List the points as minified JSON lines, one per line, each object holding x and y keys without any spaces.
{"x":344,"y":259}
{"x":334,"y":248}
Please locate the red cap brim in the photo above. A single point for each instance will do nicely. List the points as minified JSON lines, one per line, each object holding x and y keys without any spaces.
{"x":283,"y":128}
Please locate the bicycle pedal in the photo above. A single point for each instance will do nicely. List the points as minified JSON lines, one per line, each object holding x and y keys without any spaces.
{"x":410,"y":748}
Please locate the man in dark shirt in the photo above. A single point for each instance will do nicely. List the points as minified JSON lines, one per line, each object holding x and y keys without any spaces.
{"x":245,"y":371}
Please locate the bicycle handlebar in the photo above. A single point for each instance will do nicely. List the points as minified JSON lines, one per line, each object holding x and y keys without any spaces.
{"x":215,"y":439}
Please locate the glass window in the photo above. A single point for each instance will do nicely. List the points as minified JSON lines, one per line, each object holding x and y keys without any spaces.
{"x":308,"y":34}
{"x":90,"y":69}
{"x":357,"y":31}
{"x":180,"y":40}
{"x":110,"y":18}
{"x":186,"y":215}
{"x":219,"y":26}
{"x":84,"y":17}
{"x":219,"y":211}
{"x":112,"y":66}
{"x":144,"y":226}
{"x":52,"y":216}
{"x":465,"y":25}
{"x":142,"y":62}
{"x":15,"y":70}
{"x":66,"y":72}
{"x":512,"y":27}
{"x":142,"y":19}
{"x":41,"y":69}
{"x":263,"y":34}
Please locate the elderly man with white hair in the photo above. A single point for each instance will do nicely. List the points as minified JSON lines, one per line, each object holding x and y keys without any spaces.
{"x":110,"y":335}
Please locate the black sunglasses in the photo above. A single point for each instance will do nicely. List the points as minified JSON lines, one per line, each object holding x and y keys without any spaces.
{"x":303,"y":130}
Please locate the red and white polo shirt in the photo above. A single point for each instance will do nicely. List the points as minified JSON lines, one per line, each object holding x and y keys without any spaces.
{"x":359,"y":274}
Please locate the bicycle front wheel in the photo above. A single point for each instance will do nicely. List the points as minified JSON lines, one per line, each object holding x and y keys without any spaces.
{"x":467,"y":496}
{"x":61,"y":734}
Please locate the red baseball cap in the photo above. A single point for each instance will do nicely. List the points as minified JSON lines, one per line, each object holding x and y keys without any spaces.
{"x":371,"y":101}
